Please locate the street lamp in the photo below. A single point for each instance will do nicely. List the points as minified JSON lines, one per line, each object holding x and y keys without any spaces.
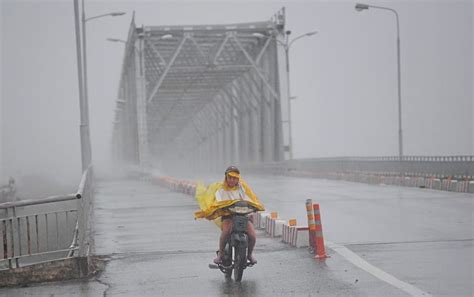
{"x":286,"y":46}
{"x":117,"y":40}
{"x":85,"y":161}
{"x":361,"y":7}
{"x":166,"y":36}
{"x":84,"y":53}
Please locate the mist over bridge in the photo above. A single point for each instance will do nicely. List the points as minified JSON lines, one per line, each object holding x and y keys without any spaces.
{"x":196,"y":98}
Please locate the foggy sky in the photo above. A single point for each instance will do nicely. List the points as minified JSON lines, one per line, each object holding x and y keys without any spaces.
{"x":345,"y":77}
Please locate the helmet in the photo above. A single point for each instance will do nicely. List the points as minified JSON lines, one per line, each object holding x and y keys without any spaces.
{"x":234,"y":170}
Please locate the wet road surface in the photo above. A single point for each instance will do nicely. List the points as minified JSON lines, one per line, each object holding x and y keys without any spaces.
{"x":155,"y":248}
{"x":423,"y":237}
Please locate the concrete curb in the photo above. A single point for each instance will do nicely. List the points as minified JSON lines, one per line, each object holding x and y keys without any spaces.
{"x":58,"y":270}
{"x":445,"y":184}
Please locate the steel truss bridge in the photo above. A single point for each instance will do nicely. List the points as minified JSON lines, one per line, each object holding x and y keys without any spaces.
{"x":203,"y":96}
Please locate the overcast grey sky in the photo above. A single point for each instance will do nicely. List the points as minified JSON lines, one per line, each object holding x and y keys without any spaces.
{"x":344,"y":77}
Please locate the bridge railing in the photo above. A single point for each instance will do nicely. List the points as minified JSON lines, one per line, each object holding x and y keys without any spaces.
{"x":459,"y":167}
{"x":43,"y":230}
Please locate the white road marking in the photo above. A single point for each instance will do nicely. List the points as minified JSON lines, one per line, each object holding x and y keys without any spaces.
{"x":378,"y":273}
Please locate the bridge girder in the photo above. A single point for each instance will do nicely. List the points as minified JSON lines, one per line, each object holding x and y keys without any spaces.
{"x":208,"y":95}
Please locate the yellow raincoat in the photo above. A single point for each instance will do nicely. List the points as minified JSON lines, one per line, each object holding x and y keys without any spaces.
{"x":212,"y":209}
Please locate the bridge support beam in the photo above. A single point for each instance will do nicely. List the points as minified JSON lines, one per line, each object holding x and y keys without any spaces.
{"x":142,"y":124}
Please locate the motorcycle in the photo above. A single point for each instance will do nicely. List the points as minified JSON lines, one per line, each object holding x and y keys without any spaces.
{"x":235,"y":252}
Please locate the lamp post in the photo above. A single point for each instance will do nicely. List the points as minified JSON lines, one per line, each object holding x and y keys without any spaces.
{"x":286,"y":46}
{"x":85,"y":89}
{"x":84,"y":157}
{"x":360,"y":7}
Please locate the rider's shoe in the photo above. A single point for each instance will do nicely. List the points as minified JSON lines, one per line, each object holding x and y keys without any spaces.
{"x":252,"y":260}
{"x":218,"y":259}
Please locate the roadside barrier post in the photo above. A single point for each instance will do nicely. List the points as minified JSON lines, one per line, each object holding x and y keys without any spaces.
{"x":311,"y":224}
{"x":286,"y":230}
{"x":319,"y":239}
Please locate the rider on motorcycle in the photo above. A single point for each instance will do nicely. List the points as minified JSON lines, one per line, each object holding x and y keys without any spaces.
{"x":234,"y":188}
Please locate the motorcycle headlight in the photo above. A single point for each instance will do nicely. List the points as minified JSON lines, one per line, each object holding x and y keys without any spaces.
{"x":240,"y":209}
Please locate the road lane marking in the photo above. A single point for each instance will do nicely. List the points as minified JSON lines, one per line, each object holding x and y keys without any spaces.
{"x":378,"y":273}
{"x":406,"y":242}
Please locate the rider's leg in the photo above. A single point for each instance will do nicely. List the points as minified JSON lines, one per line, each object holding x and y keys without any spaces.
{"x":225,"y":233}
{"x":252,"y":239}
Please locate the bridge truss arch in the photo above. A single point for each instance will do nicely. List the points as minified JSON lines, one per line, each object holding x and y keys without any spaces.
{"x":201,"y":97}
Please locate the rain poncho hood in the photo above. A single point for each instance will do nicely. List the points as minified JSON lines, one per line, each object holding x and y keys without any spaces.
{"x":212,"y":209}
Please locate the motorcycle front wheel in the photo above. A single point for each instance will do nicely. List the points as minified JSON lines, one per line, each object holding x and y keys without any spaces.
{"x":240,"y":261}
{"x":227,"y":261}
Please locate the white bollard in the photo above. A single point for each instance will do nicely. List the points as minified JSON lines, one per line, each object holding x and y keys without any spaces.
{"x":453,"y":185}
{"x":429,"y":183}
{"x":445,"y":184}
{"x":263,"y":216}
{"x":278,"y":228}
{"x":461,"y":185}
{"x":256,"y":219}
{"x":268,"y":225}
{"x":436,"y":184}
{"x":298,"y":236}
{"x":302,"y":237}
{"x":471,"y":187}
{"x":421,"y":182}
{"x":406,"y":182}
{"x":286,"y":233}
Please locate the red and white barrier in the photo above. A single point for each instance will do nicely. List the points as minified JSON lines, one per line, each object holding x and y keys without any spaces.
{"x":446,"y":184}
{"x":421,"y":182}
{"x":268,"y":221}
{"x":429,"y":183}
{"x":286,"y":233}
{"x":256,"y":217}
{"x":286,"y":230}
{"x":275,"y":227}
{"x":453,"y":186}
{"x":436,"y":185}
{"x":299,"y":236}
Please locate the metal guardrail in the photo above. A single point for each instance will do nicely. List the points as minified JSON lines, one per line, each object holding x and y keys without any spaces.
{"x":459,"y":158}
{"x":30,"y":233}
{"x":456,"y":167}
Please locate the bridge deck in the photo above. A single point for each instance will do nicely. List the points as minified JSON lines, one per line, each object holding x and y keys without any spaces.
{"x":155,"y":247}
